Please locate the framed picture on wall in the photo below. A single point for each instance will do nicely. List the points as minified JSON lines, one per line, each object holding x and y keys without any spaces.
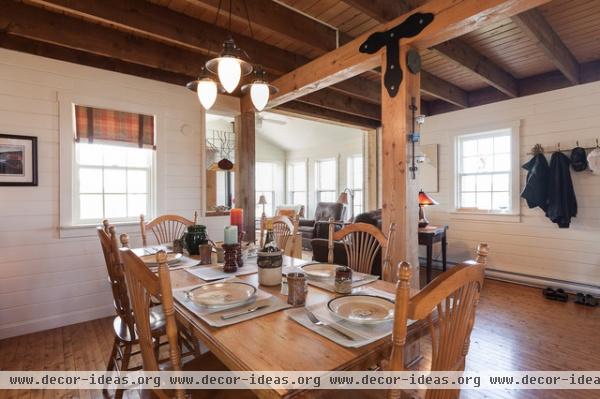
{"x":18,"y":160}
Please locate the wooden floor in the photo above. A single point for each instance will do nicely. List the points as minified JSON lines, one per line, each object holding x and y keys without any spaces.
{"x":516,"y":329}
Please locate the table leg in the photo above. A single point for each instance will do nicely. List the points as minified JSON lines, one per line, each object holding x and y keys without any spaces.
{"x":444,"y":248}
{"x":429,"y":261}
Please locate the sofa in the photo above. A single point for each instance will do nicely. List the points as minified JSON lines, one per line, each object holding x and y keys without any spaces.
{"x":311,"y":228}
{"x":320,"y":244}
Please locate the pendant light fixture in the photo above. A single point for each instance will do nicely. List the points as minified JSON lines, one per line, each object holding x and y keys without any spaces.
{"x":230,"y":66}
{"x":260,"y":90}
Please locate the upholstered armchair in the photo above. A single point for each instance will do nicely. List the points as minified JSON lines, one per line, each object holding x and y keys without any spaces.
{"x":311,"y":228}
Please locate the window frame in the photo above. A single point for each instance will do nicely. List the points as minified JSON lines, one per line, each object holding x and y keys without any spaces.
{"x":150,"y":182}
{"x":67,"y":101}
{"x":513,"y":215}
{"x":318,"y":190}
{"x":350,"y":182}
{"x":289,"y":191}
{"x":271,"y":193}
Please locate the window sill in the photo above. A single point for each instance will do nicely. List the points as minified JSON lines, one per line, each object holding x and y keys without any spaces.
{"x":89,"y":230}
{"x":485,"y":216}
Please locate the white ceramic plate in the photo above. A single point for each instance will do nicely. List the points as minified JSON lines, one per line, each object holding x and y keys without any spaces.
{"x":228,"y":293}
{"x":320,"y":271}
{"x":150,"y":260}
{"x":363,"y":309}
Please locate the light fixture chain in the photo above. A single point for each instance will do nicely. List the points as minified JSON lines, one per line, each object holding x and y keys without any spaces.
{"x":248,"y":18}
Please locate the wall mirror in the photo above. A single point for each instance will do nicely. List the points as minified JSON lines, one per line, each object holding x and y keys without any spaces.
{"x":220,"y":163}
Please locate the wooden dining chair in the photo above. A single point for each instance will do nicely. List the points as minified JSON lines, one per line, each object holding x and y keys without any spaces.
{"x":145,"y":285}
{"x":165,"y":228}
{"x":448,"y":304}
{"x":362,"y":242}
{"x":286,"y":233}
{"x":123,"y":324}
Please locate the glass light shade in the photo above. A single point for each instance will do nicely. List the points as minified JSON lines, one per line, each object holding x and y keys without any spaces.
{"x":229,"y":72}
{"x":207,"y":92}
{"x":259,"y":93}
{"x":426,"y":200}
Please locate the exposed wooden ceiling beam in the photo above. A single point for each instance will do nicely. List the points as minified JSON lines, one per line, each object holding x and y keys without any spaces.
{"x":454,"y":50}
{"x":141,"y":17}
{"x":32,"y":22}
{"x":300,"y":108}
{"x":278,"y":20}
{"x":554,"y":80}
{"x":379,"y":10}
{"x":439,"y":88}
{"x":535,"y":26}
{"x":336,"y":101}
{"x":362,"y":88}
{"x":79,"y":57}
{"x":463,"y":54}
{"x":452,"y":19}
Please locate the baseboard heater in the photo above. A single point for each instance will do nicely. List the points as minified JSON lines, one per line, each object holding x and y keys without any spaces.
{"x":535,"y":281}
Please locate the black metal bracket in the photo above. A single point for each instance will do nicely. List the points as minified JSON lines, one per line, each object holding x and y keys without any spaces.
{"x":410,"y":27}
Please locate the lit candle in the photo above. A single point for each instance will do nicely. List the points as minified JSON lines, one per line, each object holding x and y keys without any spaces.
{"x":236,"y":218}
{"x":231,"y":235}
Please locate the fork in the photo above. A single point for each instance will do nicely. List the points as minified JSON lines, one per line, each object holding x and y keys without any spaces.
{"x":318,"y":322}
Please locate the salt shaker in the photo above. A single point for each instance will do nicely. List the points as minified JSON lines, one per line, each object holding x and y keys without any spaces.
{"x":343,"y":280}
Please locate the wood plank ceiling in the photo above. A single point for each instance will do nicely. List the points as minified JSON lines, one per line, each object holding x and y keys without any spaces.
{"x":547,"y":48}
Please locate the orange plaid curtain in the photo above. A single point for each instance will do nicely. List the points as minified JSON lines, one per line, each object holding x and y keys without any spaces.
{"x":117,"y":126}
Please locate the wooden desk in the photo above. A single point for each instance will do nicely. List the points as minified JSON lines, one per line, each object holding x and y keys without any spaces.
{"x":428,"y":236}
{"x":275,"y":342}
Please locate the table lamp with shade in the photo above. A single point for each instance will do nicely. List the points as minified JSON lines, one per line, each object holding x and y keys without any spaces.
{"x":424,"y":200}
{"x":262,"y":200}
{"x":343,"y":199}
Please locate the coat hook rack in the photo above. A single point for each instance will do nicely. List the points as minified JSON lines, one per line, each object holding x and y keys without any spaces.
{"x":538,"y":149}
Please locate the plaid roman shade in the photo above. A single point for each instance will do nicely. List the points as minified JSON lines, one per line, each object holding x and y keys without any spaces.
{"x":116,"y":126}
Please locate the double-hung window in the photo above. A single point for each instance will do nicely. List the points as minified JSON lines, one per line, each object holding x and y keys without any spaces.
{"x":355,"y":182}
{"x":486,"y":178}
{"x":113,"y":168}
{"x":326,"y":180}
{"x":296,"y":182}
{"x":265,"y":185}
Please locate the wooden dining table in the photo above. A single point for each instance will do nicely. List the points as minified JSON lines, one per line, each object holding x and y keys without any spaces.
{"x":274,"y":342}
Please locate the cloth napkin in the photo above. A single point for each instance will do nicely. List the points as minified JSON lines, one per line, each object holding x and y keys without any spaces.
{"x":215,"y":272}
{"x":363,"y":334}
{"x":212,"y":316}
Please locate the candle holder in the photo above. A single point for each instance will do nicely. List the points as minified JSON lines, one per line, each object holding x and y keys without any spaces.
{"x":230,"y":257}
{"x":239,"y":257}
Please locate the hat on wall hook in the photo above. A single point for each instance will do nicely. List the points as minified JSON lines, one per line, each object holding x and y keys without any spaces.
{"x":410,"y":27}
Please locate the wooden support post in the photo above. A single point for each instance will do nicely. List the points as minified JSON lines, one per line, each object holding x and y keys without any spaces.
{"x":245,"y":150}
{"x":399,"y":191}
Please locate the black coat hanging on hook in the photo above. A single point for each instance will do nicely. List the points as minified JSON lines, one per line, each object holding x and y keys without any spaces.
{"x":410,"y":27}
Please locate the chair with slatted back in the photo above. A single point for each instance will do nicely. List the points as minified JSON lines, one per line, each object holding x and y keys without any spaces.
{"x":123,"y":324}
{"x":165,"y":228}
{"x":145,"y":285}
{"x":286,"y":233}
{"x":363,"y":242}
{"x":448,"y":304}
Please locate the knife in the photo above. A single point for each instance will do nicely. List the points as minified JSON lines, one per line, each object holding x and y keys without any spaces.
{"x":231,"y":315}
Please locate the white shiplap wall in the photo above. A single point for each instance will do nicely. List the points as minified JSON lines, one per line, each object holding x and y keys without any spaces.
{"x":46,"y":281}
{"x":534,"y":246}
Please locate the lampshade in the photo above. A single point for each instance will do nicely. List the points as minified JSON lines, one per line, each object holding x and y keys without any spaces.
{"x":426,"y":200}
{"x":343,"y":198}
{"x":262,"y":200}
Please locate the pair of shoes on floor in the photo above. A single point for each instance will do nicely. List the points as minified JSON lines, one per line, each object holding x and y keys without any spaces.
{"x":555,"y":295}
{"x":585,"y":299}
